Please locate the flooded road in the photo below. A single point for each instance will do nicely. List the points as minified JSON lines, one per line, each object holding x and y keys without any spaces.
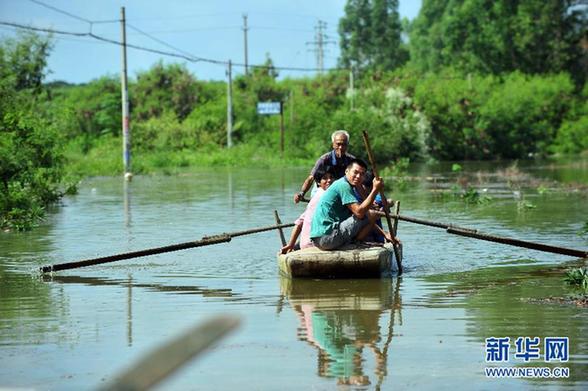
{"x":77,"y":329}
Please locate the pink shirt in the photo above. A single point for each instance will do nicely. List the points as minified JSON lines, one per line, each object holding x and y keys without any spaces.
{"x":306,"y":219}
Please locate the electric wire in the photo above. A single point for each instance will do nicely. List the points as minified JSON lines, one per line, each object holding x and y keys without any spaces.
{"x":180,"y":53}
{"x":190,"y":58}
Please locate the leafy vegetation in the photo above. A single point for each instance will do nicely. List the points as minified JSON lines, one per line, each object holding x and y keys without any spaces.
{"x":584,"y":230}
{"x":31,"y":160}
{"x":502,"y":36}
{"x":370,"y":35}
{"x":481,"y":82}
{"x":577,"y":276}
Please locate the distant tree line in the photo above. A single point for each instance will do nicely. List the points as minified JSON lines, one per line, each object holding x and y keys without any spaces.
{"x":477,"y":36}
{"x":467,"y":79}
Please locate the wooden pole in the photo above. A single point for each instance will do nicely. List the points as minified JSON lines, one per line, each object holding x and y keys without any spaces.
{"x":397,"y":252}
{"x":519,"y":243}
{"x":167,"y":358}
{"x":205,"y":241}
{"x":475,"y":234}
{"x":280,"y":230}
{"x":395,"y":217}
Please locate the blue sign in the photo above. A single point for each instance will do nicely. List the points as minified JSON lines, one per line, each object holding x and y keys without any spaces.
{"x":268,"y":108}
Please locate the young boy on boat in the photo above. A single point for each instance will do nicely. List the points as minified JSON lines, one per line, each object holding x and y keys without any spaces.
{"x":323,"y":178}
{"x":340,"y":218}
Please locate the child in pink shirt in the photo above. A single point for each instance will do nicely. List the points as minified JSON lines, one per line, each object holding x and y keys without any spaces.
{"x":302,"y":224}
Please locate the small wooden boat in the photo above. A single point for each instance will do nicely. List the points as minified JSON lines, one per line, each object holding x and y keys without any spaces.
{"x":366,"y":260}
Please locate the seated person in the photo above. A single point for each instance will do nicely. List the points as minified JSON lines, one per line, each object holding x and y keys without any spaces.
{"x":323,"y":178}
{"x":340,"y":218}
{"x":361,"y":194}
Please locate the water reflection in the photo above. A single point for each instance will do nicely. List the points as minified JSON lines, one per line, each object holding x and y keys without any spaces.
{"x":130,"y":311}
{"x":127,"y":202}
{"x":347,"y":321}
{"x":176,"y":289}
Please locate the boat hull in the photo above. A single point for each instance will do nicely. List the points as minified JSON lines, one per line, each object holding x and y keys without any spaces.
{"x":351,"y":261}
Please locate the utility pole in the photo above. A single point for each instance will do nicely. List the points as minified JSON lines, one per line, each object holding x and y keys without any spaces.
{"x":229,"y":106}
{"x":125,"y":102}
{"x":351,"y":87}
{"x":321,"y":39}
{"x":282,"y":129}
{"x":291,"y":101}
{"x":245,"y":41}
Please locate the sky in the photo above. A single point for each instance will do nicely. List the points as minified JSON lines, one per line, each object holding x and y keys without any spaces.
{"x":206,"y":29}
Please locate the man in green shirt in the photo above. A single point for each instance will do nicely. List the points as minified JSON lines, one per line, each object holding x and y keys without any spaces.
{"x":339,"y":218}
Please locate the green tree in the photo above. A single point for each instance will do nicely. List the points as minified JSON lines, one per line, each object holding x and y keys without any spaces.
{"x":486,"y":117}
{"x":24,"y":61}
{"x":163,"y":88}
{"x":31,"y":161}
{"x":572,"y":136}
{"x":96,"y":106}
{"x":499,"y":36}
{"x":370,"y":35}
{"x":260,"y":85}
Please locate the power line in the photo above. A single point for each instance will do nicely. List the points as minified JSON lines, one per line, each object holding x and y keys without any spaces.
{"x":61,"y":11}
{"x":44,"y":30}
{"x":187,"y":57}
{"x":182,"y":54}
{"x":158,"y":40}
{"x":189,"y":30}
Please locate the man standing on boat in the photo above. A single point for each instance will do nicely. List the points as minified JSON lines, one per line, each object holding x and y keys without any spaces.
{"x":338,"y":159}
{"x":339,"y":218}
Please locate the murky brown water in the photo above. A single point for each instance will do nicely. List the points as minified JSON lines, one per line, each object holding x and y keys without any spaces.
{"x":76,"y":329}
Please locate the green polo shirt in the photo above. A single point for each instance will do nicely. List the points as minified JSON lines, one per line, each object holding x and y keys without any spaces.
{"x":332,"y":208}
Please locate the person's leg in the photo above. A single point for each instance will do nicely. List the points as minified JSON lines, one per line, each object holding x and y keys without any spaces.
{"x":367,"y":229}
{"x":341,"y":235}
{"x":351,"y":227}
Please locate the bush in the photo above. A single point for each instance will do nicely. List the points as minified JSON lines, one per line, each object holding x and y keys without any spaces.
{"x":395,"y":128}
{"x":523,"y":113}
{"x":95,"y":107}
{"x":484,"y":117}
{"x":572,"y":136}
{"x":31,"y":160}
{"x":163,"y":88}
{"x":31,"y":165}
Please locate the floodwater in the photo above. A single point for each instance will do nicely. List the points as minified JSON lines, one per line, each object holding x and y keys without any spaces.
{"x":77,"y":329}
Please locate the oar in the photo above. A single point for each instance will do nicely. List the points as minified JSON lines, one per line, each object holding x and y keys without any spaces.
{"x":384,"y":202}
{"x":205,"y":241}
{"x":167,"y":358}
{"x":474,"y":233}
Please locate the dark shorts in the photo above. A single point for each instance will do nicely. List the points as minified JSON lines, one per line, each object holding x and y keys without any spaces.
{"x":342,"y":234}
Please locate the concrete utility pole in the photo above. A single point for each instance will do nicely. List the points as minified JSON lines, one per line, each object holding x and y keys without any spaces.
{"x":125,"y":102}
{"x":320,"y":41}
{"x":282,"y":129}
{"x":245,"y":41}
{"x":229,"y":106}
{"x":351,"y":88}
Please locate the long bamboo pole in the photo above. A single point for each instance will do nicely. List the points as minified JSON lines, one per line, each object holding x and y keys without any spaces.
{"x":397,"y":253}
{"x":167,"y":358}
{"x":475,"y":234}
{"x":205,"y":241}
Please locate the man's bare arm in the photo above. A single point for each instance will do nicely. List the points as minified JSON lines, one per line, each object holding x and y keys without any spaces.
{"x":305,"y":187}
